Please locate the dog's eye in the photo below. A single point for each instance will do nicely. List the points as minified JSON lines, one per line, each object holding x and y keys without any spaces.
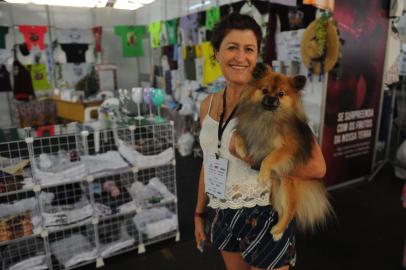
{"x":264,"y":91}
{"x":281,"y":93}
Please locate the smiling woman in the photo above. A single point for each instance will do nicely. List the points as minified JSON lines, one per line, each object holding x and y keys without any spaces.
{"x":231,"y":202}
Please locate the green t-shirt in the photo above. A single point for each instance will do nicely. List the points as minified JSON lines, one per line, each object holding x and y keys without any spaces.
{"x":212,"y":17}
{"x":39,"y":77}
{"x":155,"y":29}
{"x":3,"y":33}
{"x":171,"y":30}
{"x":131,"y":39}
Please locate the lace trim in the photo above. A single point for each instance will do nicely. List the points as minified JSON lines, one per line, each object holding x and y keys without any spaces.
{"x":241,"y":195}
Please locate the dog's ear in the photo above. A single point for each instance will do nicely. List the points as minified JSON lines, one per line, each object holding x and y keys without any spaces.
{"x":299,"y":82}
{"x":259,"y":71}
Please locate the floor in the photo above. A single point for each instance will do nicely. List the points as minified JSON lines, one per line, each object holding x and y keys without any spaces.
{"x":368,"y":233}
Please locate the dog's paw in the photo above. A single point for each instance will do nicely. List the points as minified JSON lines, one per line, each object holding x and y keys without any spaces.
{"x":276,"y":234}
{"x":264,"y":177}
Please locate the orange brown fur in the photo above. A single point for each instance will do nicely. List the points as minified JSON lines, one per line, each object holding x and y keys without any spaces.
{"x":279,"y":139}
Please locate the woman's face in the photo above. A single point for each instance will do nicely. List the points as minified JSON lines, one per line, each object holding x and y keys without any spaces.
{"x":238,"y":56}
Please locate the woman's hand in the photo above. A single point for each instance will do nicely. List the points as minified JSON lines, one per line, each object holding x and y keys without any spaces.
{"x":232,"y":149}
{"x":200,"y":235}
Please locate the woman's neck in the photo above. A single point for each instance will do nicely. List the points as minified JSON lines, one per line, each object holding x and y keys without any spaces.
{"x":233,"y":94}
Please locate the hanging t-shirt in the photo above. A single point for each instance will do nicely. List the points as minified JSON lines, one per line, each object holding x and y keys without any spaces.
{"x":171,"y":30}
{"x":178,"y":54}
{"x":190,"y":65}
{"x":187,"y":30}
{"x":75,"y":53}
{"x":169,"y":51}
{"x":72,"y":73}
{"x":97,"y":35}
{"x":155,"y":29}
{"x":212,"y":69}
{"x":74,"y":35}
{"x":212,"y":17}
{"x":293,"y":18}
{"x":131,"y":39}
{"x":5,"y":85}
{"x":4,"y":55}
{"x":34,"y":35}
{"x":39,"y":77}
{"x":23,"y":88}
{"x":3,"y":33}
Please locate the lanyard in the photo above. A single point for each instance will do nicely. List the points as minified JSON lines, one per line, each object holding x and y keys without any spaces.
{"x":221,"y":126}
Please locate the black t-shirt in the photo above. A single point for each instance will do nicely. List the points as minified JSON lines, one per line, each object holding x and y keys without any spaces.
{"x":293,"y":18}
{"x":75,"y":53}
{"x":5,"y":85}
{"x":23,"y":88}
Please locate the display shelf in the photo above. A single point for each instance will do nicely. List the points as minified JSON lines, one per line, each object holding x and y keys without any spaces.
{"x":89,"y":190}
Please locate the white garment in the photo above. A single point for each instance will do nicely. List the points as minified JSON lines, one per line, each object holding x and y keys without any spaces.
{"x":72,"y":174}
{"x":156,"y":221}
{"x":396,"y":8}
{"x":36,"y":262}
{"x":73,"y":250}
{"x":74,"y":35}
{"x":5,"y":55}
{"x":251,"y":10}
{"x":143,"y":195}
{"x":288,"y":45}
{"x":108,"y":162}
{"x":72,"y":73}
{"x":242,"y":187}
{"x":143,"y":161}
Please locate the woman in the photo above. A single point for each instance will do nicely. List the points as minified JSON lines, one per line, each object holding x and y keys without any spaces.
{"x":240,"y":218}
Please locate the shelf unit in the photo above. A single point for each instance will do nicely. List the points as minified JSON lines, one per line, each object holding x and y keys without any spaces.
{"x":87,"y":196}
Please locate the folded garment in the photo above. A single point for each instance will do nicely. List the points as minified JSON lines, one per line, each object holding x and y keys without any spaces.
{"x":29,"y":250}
{"x":36,"y":262}
{"x":155,"y":221}
{"x":145,"y":161}
{"x":124,"y":241}
{"x":77,"y":213}
{"x":107,"y":162}
{"x":152,"y":193}
{"x":73,"y":250}
{"x":71,"y":174}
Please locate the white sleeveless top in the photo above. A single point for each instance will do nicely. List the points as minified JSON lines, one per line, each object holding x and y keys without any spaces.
{"x":242,"y":186}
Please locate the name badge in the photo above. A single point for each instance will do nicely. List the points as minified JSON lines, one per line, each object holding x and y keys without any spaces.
{"x":215,"y":176}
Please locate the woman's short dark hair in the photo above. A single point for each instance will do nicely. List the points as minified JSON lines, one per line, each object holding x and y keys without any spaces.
{"x":234,"y":21}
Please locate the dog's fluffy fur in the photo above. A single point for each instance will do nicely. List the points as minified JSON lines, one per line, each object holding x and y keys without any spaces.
{"x":272,"y":129}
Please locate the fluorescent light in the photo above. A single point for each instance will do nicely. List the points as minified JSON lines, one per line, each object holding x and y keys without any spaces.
{"x":199,"y":5}
{"x":68,"y":3}
{"x":18,"y":1}
{"x":127,"y":4}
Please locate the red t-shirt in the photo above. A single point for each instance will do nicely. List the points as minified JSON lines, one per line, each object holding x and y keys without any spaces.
{"x":34,"y":35}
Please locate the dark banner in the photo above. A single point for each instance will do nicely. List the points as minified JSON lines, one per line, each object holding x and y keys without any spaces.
{"x":352,"y":102}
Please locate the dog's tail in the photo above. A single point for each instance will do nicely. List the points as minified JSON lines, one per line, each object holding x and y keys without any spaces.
{"x":312,"y":205}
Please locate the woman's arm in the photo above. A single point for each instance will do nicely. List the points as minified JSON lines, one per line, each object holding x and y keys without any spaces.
{"x":315,"y":167}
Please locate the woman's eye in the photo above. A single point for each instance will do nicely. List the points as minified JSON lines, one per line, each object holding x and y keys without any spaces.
{"x":281,"y":93}
{"x":264,"y":91}
{"x":232,"y":48}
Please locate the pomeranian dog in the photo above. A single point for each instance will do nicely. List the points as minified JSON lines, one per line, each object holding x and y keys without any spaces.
{"x":272,"y":130}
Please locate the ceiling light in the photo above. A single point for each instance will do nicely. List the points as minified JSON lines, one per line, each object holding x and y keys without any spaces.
{"x":127,"y":4}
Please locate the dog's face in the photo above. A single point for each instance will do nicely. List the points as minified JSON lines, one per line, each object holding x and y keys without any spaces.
{"x":273,"y":91}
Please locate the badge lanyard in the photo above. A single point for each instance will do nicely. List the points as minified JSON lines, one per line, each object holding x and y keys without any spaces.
{"x":221,"y":127}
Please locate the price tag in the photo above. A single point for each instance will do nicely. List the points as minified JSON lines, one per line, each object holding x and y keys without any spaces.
{"x":215,"y":176}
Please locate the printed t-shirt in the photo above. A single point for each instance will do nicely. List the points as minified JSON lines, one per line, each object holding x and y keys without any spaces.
{"x":74,"y":35}
{"x":155,"y":29}
{"x":5,"y":85}
{"x":293,"y":18}
{"x":39,"y":77}
{"x":23,"y":88}
{"x":75,"y":53}
{"x":97,"y":35}
{"x":34,"y":35}
{"x":212,"y":69}
{"x":3,"y":33}
{"x":171,"y":30}
{"x":188,"y":26}
{"x":212,"y":17}
{"x":4,"y":55}
{"x":131,"y":39}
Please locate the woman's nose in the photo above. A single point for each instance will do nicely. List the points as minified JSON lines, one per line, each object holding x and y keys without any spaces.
{"x":240,"y":55}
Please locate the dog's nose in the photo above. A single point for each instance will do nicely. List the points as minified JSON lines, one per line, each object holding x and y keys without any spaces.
{"x":270,"y":103}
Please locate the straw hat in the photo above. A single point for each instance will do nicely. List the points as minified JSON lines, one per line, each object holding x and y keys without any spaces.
{"x":314,"y":57}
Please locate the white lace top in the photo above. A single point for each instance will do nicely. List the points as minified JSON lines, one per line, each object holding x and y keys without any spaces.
{"x":242,"y":187}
